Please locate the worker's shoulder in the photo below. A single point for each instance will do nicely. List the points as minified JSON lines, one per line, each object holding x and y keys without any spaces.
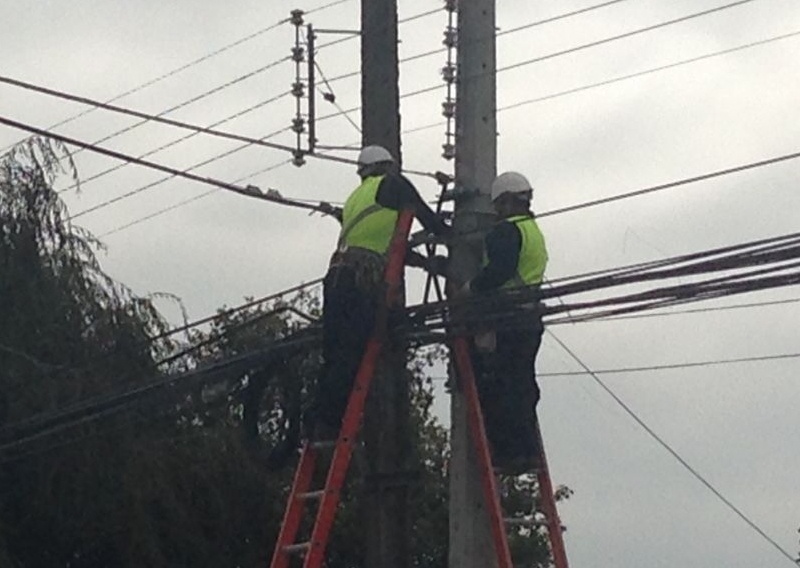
{"x":504,"y":230}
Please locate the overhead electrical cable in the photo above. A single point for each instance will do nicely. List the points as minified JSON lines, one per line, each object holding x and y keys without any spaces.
{"x":619,"y":79}
{"x":185,"y":202}
{"x":556,"y":54}
{"x":671,"y":185}
{"x":249,"y":191}
{"x":146,"y":118}
{"x":763,"y":304}
{"x":529,"y":25}
{"x":198,"y":129}
{"x":182,"y":139}
{"x":168,"y":74}
{"x":696,"y":474}
{"x":672,"y":366}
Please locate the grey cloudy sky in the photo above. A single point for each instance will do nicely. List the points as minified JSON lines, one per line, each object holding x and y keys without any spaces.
{"x":634,"y":505}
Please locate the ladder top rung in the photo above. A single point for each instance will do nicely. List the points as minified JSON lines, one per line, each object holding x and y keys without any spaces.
{"x":311,"y":494}
{"x":300,"y":547}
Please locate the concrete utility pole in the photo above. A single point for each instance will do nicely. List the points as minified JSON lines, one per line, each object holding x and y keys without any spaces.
{"x":471,"y":545}
{"x":386,"y":421}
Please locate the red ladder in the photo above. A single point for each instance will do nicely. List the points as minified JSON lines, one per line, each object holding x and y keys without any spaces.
{"x":466,"y":381}
{"x":301,"y":493}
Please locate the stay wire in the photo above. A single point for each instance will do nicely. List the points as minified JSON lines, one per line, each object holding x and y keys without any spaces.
{"x":672,"y":451}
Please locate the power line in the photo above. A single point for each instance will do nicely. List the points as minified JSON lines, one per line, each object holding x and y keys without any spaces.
{"x":325,"y":6}
{"x":670,"y":366}
{"x":167,"y":74}
{"x":182,"y":139}
{"x":249,"y":191}
{"x":160,"y":116}
{"x":696,"y":310}
{"x":590,"y":86}
{"x":529,"y":25}
{"x":180,"y":204}
{"x":622,"y":36}
{"x":670,"y":185}
{"x":150,"y":117}
{"x":672,"y":452}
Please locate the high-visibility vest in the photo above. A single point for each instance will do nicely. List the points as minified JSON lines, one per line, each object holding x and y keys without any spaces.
{"x":532,"y":253}
{"x":365,"y":223}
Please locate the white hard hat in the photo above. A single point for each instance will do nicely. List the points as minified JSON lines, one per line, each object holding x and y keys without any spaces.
{"x":510,"y":182}
{"x":374,"y":155}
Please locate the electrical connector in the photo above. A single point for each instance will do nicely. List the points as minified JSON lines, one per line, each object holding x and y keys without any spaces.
{"x":298,"y":89}
{"x":298,"y":125}
{"x":450,"y":37}
{"x":298,"y":54}
{"x":449,"y":73}
{"x":451,"y":5}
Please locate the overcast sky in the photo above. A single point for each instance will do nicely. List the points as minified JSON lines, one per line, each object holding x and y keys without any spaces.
{"x":634,"y":504}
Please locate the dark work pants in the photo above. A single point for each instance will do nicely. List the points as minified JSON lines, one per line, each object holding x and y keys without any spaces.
{"x":506,"y":381}
{"x":348,"y":319}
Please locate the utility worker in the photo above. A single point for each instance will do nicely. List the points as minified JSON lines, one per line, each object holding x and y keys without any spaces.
{"x":353,"y":284}
{"x":505,"y":358}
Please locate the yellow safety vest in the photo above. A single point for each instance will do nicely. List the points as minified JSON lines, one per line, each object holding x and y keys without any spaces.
{"x":532,"y":253}
{"x":365,"y":223}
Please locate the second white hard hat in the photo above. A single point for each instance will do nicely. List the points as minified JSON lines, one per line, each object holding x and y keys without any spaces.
{"x":374,"y":155}
{"x":510,"y":182}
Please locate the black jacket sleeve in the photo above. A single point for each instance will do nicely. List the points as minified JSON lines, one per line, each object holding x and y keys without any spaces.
{"x":503,"y":244}
{"x":396,"y":192}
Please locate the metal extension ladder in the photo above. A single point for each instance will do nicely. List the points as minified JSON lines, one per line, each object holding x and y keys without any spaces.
{"x":466,"y":382}
{"x":313,"y":550}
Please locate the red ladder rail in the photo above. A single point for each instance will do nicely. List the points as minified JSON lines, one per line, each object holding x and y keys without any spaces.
{"x":549,"y":506}
{"x":314,"y":549}
{"x":477,"y":430}
{"x":466,"y":380}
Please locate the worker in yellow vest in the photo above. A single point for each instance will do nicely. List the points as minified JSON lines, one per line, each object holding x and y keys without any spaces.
{"x":354,"y":279}
{"x":515,"y":256}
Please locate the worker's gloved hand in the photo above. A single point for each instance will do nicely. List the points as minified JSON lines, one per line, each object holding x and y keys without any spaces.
{"x":437,"y":265}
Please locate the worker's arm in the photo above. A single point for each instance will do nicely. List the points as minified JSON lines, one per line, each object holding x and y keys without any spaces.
{"x":396,"y":192}
{"x":503,"y":244}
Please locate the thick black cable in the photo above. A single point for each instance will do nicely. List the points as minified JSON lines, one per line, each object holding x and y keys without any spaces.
{"x":185,"y":202}
{"x":672,"y":451}
{"x":249,"y":191}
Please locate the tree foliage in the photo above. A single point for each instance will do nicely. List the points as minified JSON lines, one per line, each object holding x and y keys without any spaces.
{"x":196,"y":475}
